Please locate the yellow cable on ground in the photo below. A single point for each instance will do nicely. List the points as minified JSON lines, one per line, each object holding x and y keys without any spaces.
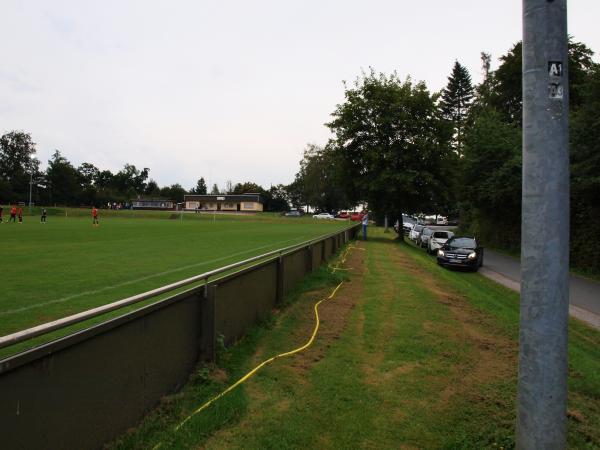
{"x":264,"y":363}
{"x":273,"y":358}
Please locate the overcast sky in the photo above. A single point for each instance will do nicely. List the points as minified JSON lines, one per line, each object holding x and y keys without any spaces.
{"x":228,"y":90}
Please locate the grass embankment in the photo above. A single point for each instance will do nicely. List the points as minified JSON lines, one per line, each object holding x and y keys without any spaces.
{"x":409,"y":355}
{"x":66,"y":266}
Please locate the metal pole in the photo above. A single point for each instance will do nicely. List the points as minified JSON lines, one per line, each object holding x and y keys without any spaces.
{"x":542,"y":383}
{"x":30,"y":188}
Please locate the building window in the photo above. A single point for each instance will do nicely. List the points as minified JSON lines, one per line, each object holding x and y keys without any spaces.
{"x":248,"y":206}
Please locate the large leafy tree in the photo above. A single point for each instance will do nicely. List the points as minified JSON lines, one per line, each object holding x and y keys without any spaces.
{"x":130,"y":180}
{"x":491,"y":187}
{"x":174,"y":192}
{"x":246,"y":187}
{"x":17,"y":165}
{"x":276,"y":198}
{"x":88,"y":173}
{"x":585,"y":172}
{"x":391,"y":144}
{"x":318,"y":179}
{"x":456,"y":100}
{"x":152,"y":189}
{"x":63,"y":181}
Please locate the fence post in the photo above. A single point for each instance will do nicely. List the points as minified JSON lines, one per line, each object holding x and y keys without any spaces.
{"x":208,"y":333}
{"x":280,"y":281}
{"x":309,"y":258}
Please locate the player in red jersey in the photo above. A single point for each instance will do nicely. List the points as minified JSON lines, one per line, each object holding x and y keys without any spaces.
{"x":95,"y":221}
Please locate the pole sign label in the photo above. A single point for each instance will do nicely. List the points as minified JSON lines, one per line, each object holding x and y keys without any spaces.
{"x":555,"y":87}
{"x":555,"y":68}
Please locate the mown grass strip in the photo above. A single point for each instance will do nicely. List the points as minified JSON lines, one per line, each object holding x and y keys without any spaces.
{"x":502,"y":304}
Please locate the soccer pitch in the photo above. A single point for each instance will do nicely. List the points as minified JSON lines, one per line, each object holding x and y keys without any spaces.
{"x":66,"y":266}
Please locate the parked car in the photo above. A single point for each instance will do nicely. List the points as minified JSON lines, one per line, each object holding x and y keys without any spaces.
{"x":323,"y":215}
{"x":437,"y":239}
{"x":461,"y":252}
{"x":415,"y":232}
{"x":293,"y":213}
{"x":342,"y":215}
{"x":357,"y":217}
{"x":408,"y":223}
{"x":424,"y":237}
{"x":441,"y":220}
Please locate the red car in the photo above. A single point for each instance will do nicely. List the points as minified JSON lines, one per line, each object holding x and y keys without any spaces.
{"x":343,"y":215}
{"x":357,"y":217}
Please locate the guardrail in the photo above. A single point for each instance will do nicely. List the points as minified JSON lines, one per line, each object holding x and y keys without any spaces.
{"x":85,"y":389}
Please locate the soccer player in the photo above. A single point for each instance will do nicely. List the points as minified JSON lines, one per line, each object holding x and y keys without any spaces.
{"x":95,"y":217}
{"x":20,"y":214}
{"x":13,"y":214}
{"x":43,"y":218}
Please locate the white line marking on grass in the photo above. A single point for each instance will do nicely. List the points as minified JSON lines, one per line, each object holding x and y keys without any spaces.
{"x":148,"y":277}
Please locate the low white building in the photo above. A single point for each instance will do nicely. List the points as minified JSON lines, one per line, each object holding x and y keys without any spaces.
{"x":230,"y":203}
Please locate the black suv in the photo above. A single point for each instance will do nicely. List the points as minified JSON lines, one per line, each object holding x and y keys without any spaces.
{"x":461,"y":252}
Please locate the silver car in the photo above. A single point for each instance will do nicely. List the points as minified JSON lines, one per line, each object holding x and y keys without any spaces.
{"x":424,"y":237}
{"x":415,"y":232}
{"x":437,"y":239}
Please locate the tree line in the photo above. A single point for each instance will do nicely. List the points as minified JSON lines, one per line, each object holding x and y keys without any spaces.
{"x":63,"y":184}
{"x":401,"y":148}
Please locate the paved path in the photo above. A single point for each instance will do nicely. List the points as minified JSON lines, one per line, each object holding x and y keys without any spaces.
{"x":584,"y":293}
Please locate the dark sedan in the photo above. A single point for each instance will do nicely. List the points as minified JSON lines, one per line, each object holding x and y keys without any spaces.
{"x":461,"y":252}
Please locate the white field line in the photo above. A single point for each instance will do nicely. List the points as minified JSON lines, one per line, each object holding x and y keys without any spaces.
{"x":148,"y":277}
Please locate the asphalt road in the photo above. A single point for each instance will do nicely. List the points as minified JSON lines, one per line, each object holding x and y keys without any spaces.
{"x":584,"y":294}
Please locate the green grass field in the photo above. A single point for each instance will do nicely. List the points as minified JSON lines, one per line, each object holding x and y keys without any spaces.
{"x":66,"y":266}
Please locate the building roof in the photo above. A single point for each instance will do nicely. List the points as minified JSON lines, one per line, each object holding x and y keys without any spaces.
{"x":224,"y":198}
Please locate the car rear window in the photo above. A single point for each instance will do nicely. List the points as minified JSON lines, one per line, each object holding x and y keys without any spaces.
{"x":440,"y":234}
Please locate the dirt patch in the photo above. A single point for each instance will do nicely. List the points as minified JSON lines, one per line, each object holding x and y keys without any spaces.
{"x":491,"y":355}
{"x":333,"y":315}
{"x":219,"y":375}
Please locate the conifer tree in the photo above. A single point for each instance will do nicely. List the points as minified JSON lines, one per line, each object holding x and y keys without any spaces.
{"x":200,"y":188}
{"x":456,"y":100}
